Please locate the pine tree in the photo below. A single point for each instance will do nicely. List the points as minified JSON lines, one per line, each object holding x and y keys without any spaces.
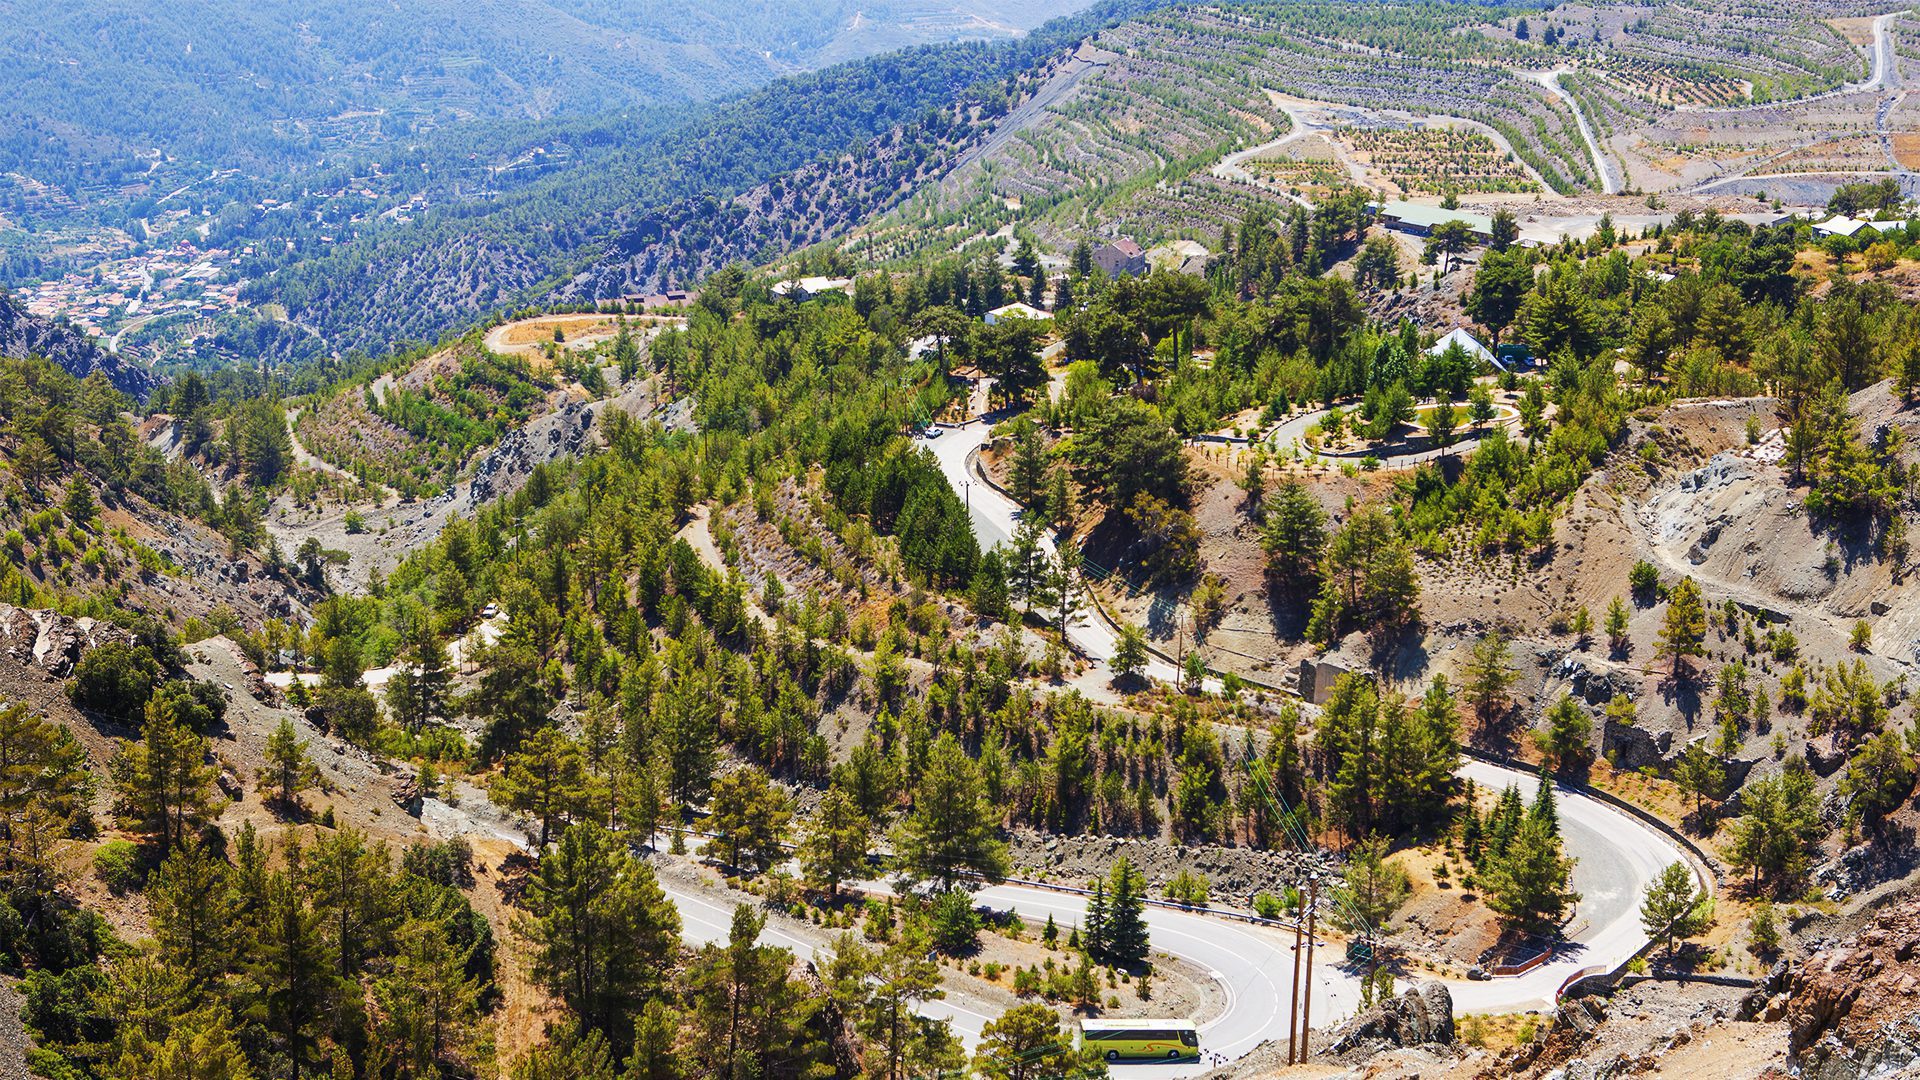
{"x":43,"y":784}
{"x":1502,"y":823}
{"x":655,"y":1057}
{"x":80,"y":506}
{"x":1349,"y":730}
{"x":1026,"y":1043}
{"x":1125,"y":927}
{"x":164,"y":781}
{"x":1700,"y":775}
{"x":1028,"y":472}
{"x":429,"y":1009}
{"x":1060,"y":506}
{"x":626,"y":353}
{"x":1372,"y":889}
{"x":744,"y":1014}
{"x":1673,"y":910}
{"x":1528,"y":883}
{"x":1253,"y":479}
{"x":350,"y":885}
{"x":1780,"y":826}
{"x":749,"y":817}
{"x":1490,"y":675}
{"x":421,"y":689}
{"x":1616,"y":626}
{"x":951,"y":830}
{"x":1093,"y":931}
{"x":545,"y":779}
{"x":835,"y":846}
{"x":160,"y":1030}
{"x":1880,"y":777}
{"x":1129,"y":653}
{"x":1437,"y":755}
{"x":294,"y":972}
{"x":1564,"y":743}
{"x":1683,"y":632}
{"x":1029,"y":570}
{"x":640,"y":797}
{"x":194,"y":911}
{"x":881,"y":992}
{"x":572,"y":1052}
{"x":1294,"y":536}
{"x":1544,"y":809}
{"x":1069,"y":591}
{"x":601,"y":935}
{"x":288,"y":770}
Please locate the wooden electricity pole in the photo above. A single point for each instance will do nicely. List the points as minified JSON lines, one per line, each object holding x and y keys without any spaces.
{"x":1293,"y":999}
{"x":1306,"y":1000}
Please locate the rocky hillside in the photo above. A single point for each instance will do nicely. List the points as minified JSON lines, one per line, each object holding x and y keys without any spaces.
{"x":22,"y":334}
{"x":1854,"y":1009}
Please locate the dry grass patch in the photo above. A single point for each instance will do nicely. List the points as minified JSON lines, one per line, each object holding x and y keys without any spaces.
{"x":1858,"y":29}
{"x":539,"y":331}
{"x":1906,"y":148}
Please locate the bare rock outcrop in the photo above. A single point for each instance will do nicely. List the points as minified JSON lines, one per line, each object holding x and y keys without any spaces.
{"x":1422,"y":1016}
{"x":49,"y":641}
{"x":1854,"y":1008}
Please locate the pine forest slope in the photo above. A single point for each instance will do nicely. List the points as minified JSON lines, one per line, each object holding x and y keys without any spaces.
{"x":92,"y":88}
{"x":642,"y":198}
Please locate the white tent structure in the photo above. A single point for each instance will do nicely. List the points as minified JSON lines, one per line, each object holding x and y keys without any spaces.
{"x":1468,"y":343}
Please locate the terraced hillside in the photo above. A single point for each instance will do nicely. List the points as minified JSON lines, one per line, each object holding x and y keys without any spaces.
{"x":1134,"y":145}
{"x":415,"y":430}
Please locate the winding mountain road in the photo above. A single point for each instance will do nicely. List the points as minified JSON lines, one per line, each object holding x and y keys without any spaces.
{"x":1253,"y":964}
{"x":1618,"y":855}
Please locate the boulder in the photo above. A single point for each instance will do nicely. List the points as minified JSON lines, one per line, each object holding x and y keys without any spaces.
{"x":1421,"y":1016}
{"x":407,"y":796}
{"x":1582,"y":1015}
{"x":1824,"y":755}
{"x":50,"y":641}
{"x":1593,"y":681}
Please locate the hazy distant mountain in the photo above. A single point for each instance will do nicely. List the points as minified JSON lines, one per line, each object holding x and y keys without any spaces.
{"x":88,"y":88}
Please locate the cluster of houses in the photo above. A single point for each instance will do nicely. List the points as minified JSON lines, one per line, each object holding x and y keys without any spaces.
{"x":807,"y":288}
{"x":1420,"y":219}
{"x":180,"y":279}
{"x":1120,"y":258}
{"x":1842,"y":225}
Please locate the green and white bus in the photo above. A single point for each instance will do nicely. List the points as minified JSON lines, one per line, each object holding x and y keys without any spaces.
{"x":1150,"y":1040}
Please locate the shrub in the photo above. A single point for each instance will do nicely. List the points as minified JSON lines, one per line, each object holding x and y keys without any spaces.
{"x":955,"y":925}
{"x":1188,"y":888}
{"x":117,"y":864}
{"x":115,"y":680}
{"x":1765,"y":929}
{"x":1644,"y":578}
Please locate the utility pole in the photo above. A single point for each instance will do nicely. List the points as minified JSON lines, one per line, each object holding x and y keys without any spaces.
{"x":1293,"y":999}
{"x":1306,"y":1002}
